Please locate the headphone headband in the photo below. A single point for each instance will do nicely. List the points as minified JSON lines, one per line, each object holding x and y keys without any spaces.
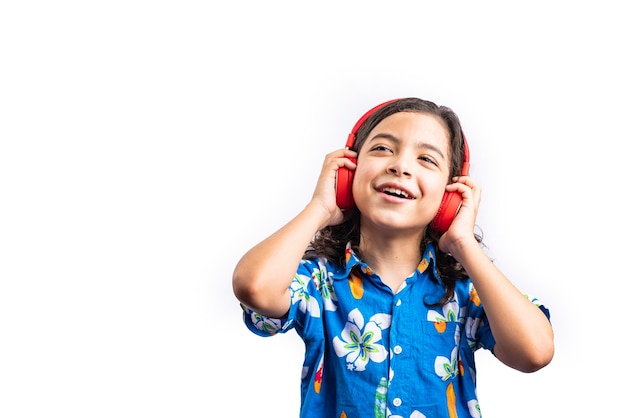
{"x":361,"y":120}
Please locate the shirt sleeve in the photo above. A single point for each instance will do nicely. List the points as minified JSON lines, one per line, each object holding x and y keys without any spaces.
{"x":304,"y":302}
{"x":540,"y":305}
{"x":483,"y":335}
{"x":477,"y":327}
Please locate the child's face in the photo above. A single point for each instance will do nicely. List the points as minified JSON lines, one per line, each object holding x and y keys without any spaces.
{"x":402,"y":171}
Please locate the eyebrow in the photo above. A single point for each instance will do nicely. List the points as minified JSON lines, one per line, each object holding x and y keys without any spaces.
{"x":395,"y":140}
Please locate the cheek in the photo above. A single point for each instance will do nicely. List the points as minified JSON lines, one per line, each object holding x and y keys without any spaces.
{"x":433,"y":189}
{"x":358,"y":181}
{"x":362,"y":182}
{"x":436,"y":189}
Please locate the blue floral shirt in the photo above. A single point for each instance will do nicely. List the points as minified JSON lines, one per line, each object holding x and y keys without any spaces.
{"x":371,"y":352}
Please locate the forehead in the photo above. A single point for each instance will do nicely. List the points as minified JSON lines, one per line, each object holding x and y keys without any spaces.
{"x":416,"y":127}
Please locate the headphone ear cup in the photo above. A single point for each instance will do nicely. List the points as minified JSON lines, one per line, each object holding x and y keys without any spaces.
{"x":450,"y":205}
{"x":343,"y":188}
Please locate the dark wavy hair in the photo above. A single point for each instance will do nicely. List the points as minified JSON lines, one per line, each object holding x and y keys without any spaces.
{"x":330,"y":242}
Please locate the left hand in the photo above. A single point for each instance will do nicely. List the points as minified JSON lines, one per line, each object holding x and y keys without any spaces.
{"x":462,"y":227}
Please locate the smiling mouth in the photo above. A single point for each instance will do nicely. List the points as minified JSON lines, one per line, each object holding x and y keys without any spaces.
{"x":392,"y":191}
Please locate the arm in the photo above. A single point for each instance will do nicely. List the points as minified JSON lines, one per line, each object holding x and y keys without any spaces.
{"x":262,"y":277}
{"x":523,"y":334}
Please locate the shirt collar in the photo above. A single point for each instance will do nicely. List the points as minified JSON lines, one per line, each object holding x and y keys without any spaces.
{"x":429,"y":259}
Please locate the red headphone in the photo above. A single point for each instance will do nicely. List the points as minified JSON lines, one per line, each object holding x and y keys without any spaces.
{"x":450,"y":204}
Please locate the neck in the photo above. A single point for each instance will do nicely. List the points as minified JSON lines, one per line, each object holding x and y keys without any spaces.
{"x":392,"y":258}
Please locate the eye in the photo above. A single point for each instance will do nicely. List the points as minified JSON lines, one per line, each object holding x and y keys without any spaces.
{"x":381,"y":148}
{"x":428,"y":160}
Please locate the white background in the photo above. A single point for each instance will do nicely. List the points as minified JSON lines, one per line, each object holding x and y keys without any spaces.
{"x":146,"y":145}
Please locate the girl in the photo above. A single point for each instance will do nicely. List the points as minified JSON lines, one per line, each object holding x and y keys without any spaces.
{"x":390,"y":300}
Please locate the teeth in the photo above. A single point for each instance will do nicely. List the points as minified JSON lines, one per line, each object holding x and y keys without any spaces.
{"x":398,"y":192}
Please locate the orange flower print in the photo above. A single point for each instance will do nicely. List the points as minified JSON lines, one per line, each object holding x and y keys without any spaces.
{"x":356,"y":285}
{"x":440,"y":326}
{"x":473,"y":296}
{"x":423,"y":265}
{"x":317,"y":383}
{"x":451,"y":396}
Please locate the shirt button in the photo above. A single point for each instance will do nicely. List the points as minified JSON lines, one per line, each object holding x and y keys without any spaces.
{"x":397,"y":349}
{"x":397,"y":402}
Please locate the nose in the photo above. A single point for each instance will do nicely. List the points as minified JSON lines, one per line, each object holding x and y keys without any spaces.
{"x":399,"y":167}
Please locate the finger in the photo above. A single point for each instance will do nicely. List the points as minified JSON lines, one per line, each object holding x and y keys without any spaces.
{"x":464,"y":180}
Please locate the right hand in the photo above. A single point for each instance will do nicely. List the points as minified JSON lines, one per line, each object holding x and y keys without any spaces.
{"x":325,"y":193}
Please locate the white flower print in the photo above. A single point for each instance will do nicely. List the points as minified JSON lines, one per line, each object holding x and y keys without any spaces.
{"x":474,"y":408}
{"x":450,"y":312}
{"x":414,"y":414}
{"x":359,"y":341}
{"x":325,"y":287}
{"x":447,"y":368}
{"x":300,"y":293}
{"x":269,"y":325}
{"x":471,"y":326}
